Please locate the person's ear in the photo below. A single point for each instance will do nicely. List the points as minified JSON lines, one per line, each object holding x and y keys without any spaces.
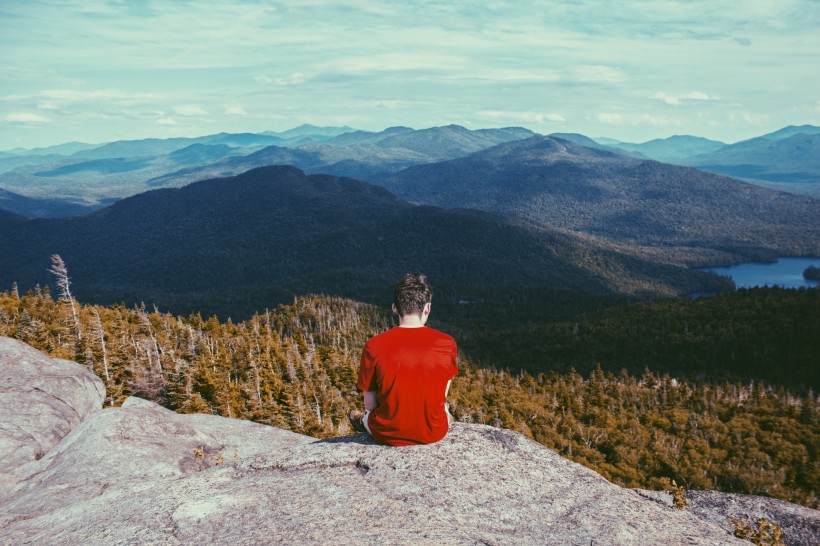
{"x":427,"y":307}
{"x":396,"y":311}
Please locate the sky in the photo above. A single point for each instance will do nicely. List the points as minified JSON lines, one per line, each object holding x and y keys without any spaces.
{"x":101,"y":70}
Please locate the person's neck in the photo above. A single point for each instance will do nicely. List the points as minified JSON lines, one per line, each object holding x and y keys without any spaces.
{"x":411,"y":321}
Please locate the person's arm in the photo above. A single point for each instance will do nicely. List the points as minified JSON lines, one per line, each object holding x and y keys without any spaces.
{"x":370,"y":401}
{"x":447,"y":388}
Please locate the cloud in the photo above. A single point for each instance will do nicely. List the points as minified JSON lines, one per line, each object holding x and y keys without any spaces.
{"x":745,"y":117}
{"x":677,"y":100}
{"x":666,"y":98}
{"x":599,"y":74}
{"x":294,"y":79}
{"x":394,"y":62}
{"x":521,"y":116}
{"x":189,"y":111}
{"x":609,"y":118}
{"x":52,"y":98}
{"x":166,"y":120}
{"x":745,"y":42}
{"x":26,"y":118}
{"x":235,"y":110}
{"x":696,"y":95}
{"x":635,"y":120}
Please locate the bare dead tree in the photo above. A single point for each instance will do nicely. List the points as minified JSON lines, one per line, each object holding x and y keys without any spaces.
{"x":60,"y":272}
{"x":96,"y":323}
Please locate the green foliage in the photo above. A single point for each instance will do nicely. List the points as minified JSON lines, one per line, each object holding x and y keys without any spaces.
{"x":295,"y":367}
{"x":753,"y":334}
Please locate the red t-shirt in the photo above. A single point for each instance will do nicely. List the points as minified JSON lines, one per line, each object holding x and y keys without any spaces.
{"x":409,"y":369}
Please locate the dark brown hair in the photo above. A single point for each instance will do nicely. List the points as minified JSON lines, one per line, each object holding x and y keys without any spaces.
{"x":411,"y":293}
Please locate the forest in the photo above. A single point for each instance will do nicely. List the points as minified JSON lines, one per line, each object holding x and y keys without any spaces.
{"x":295,"y":367}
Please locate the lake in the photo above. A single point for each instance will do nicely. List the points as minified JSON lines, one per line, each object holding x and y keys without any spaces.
{"x":786,"y":272}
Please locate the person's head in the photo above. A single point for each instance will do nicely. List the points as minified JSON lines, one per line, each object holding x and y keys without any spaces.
{"x":412,"y":295}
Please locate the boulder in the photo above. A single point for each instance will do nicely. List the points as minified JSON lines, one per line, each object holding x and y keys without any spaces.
{"x":43,"y":399}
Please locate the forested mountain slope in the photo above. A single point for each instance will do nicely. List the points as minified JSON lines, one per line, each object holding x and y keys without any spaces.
{"x":767,"y":334}
{"x":232,"y":245}
{"x":32,"y":207}
{"x":626,"y":200}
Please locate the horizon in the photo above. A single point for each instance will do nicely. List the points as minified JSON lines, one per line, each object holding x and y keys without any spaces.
{"x":104,"y":70}
{"x":351,"y":129}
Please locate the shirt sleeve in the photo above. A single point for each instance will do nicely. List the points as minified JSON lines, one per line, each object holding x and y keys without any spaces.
{"x":367,"y":372}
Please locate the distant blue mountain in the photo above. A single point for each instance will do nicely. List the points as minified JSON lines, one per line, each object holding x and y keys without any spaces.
{"x":312,"y":131}
{"x":200,"y":153}
{"x":785,"y":159}
{"x":792,"y":130}
{"x":673,"y":149}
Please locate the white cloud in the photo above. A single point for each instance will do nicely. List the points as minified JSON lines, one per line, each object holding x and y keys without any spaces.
{"x":393,"y":62}
{"x":677,"y":100}
{"x":53,"y":98}
{"x":235,"y":110}
{"x":609,"y":118}
{"x":189,"y":110}
{"x":521,"y":116}
{"x":294,"y":79}
{"x":599,"y":74}
{"x":696,"y":95}
{"x":666,"y":98}
{"x":166,"y":120}
{"x":635,"y":120}
{"x":26,"y":117}
{"x":745,"y":117}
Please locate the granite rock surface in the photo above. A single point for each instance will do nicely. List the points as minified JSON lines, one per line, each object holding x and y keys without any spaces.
{"x":43,"y":399}
{"x":141,"y":474}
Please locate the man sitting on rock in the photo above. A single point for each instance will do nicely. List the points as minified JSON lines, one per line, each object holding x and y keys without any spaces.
{"x":405,"y":373}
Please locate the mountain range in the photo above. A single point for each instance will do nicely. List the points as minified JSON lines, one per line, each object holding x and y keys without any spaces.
{"x":75,"y":178}
{"x":92,"y":177}
{"x":231,"y":245}
{"x":786,"y":159}
{"x":623,"y":199}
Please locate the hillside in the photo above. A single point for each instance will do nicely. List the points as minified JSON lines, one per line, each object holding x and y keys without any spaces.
{"x":767,"y":334}
{"x":31,"y":207}
{"x":230,"y":245}
{"x":625,"y":200}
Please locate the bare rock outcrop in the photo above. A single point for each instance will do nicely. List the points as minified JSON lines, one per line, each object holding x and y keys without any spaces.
{"x":800,"y":525}
{"x":43,"y":399}
{"x":141,"y":474}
